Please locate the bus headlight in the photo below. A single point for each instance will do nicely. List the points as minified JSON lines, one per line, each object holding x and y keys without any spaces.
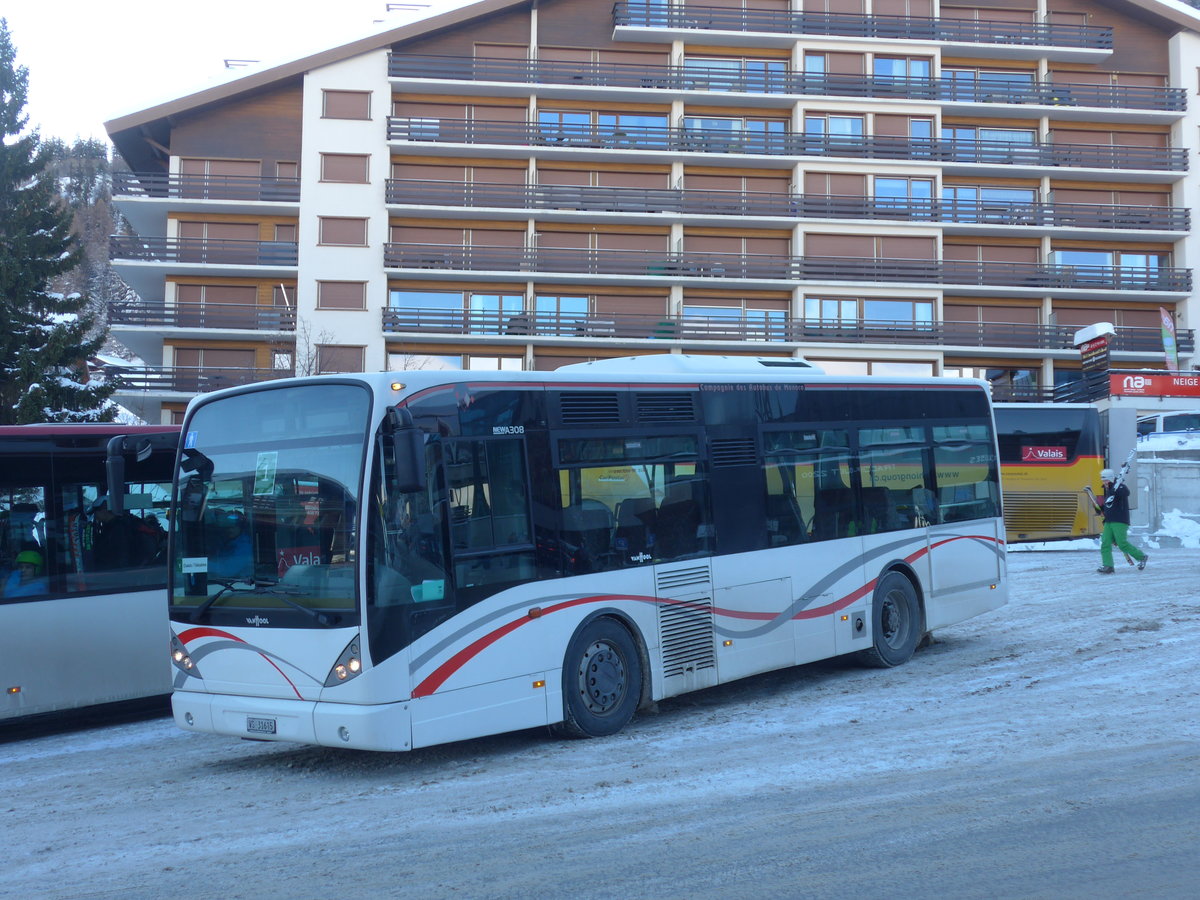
{"x":348,"y":665}
{"x":181,"y":659}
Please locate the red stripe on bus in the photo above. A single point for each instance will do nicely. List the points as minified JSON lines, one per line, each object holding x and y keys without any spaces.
{"x":442,"y":673}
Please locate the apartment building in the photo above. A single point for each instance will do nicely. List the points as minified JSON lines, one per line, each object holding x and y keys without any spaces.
{"x":882,"y":186}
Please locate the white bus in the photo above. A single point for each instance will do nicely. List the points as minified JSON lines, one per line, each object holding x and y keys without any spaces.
{"x":391,"y":561}
{"x":83,"y":565}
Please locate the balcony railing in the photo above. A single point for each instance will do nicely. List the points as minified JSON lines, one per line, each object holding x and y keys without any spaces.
{"x":192,"y":379}
{"x":204,"y":315}
{"x":419,"y":192}
{"x":706,"y":18}
{"x":205,"y":187}
{"x":666,"y":138}
{"x":426,"y":321}
{"x":204,"y":251}
{"x":657,"y":264}
{"x":700,"y":78}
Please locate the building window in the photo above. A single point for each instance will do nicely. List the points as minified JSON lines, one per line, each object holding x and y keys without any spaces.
{"x":432,"y":300}
{"x":979,"y":203}
{"x":493,"y":363}
{"x":420,"y":362}
{"x":345,"y":168}
{"x":900,"y":68}
{"x":845,"y":311}
{"x":978,"y":144}
{"x":913,"y":194}
{"x":498,"y":314}
{"x":720,"y":74}
{"x":556,"y":313}
{"x":738,"y":321}
{"x":974,"y":85}
{"x":895,"y":367}
{"x":346,"y":104}
{"x":339,"y":358}
{"x":341,"y":295}
{"x":724,"y":135}
{"x":640,"y":130}
{"x":342,"y":232}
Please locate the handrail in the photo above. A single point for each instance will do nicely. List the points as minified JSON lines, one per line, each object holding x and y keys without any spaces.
{"x":422,"y":192}
{"x":642,"y":14}
{"x":659,"y":264}
{"x":191,"y":379}
{"x":773,"y":328}
{"x":779,"y":143}
{"x":203,"y":315}
{"x":203,"y":250}
{"x":154,"y":185}
{"x":702,"y":78}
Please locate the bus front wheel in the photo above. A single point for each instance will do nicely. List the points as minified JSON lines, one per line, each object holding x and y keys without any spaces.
{"x":895,"y":623}
{"x":602,"y":680}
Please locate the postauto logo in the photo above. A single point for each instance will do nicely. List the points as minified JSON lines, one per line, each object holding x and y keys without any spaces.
{"x":1043,"y":454}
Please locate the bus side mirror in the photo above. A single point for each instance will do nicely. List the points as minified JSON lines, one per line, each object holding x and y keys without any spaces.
{"x":403,"y":445}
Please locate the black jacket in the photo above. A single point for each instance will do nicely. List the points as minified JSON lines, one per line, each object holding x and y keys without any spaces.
{"x":1115,"y":505}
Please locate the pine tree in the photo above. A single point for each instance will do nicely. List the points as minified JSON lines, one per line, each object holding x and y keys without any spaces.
{"x":46,"y":338}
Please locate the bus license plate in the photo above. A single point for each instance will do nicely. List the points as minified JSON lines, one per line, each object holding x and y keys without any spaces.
{"x":260,"y":726}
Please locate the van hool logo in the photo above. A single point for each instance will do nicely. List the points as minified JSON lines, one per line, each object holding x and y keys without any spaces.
{"x":640,"y":557}
{"x":258,"y":620}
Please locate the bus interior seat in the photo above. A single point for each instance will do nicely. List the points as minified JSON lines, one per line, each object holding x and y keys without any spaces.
{"x":787,"y":519}
{"x":879,"y":509}
{"x":833,"y":513}
{"x":589,"y":527}
{"x":634,"y":531}
{"x":925,"y":504}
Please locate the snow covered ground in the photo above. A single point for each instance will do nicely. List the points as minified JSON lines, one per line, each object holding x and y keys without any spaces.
{"x":1049,"y":749}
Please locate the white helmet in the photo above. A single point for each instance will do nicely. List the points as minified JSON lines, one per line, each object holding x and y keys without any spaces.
{"x":1107,"y":475}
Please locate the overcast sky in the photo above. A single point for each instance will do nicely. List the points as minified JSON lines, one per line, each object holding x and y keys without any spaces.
{"x":90,"y":61}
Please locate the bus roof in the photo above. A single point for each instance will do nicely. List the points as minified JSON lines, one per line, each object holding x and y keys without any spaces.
{"x":71,"y":429}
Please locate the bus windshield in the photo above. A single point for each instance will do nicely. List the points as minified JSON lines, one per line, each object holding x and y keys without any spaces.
{"x":266,"y":503}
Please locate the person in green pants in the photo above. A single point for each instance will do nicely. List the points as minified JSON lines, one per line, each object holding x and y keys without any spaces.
{"x":1115,"y":508}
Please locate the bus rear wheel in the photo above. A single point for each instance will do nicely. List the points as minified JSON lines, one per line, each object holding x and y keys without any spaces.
{"x":895,"y":623}
{"x":602,"y":681}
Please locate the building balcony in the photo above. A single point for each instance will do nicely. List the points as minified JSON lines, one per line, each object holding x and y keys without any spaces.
{"x":145,"y":198}
{"x":660,"y":23}
{"x":708,"y":145}
{"x":534,"y":326}
{"x":206,"y":316}
{"x":161,"y":186}
{"x":188,"y":380}
{"x":703,"y":205}
{"x":447,"y":74}
{"x":203,"y":251}
{"x":744,"y":270}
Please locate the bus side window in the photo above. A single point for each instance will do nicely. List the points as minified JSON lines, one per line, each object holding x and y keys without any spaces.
{"x":490,"y":519}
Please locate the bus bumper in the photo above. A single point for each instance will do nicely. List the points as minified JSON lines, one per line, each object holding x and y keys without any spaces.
{"x":382,"y":727}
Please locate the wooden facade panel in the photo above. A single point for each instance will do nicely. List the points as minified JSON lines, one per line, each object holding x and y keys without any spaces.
{"x":265,"y":127}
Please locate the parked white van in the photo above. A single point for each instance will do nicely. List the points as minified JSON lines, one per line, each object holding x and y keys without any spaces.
{"x":1178,"y":420}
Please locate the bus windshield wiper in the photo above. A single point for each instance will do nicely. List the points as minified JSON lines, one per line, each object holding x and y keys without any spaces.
{"x":272,"y":589}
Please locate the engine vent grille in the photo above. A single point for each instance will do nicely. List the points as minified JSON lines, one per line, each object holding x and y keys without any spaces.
{"x":590,"y":408}
{"x":665,"y":406}
{"x":696,"y":576}
{"x":686,"y":629}
{"x":1053,"y":513}
{"x":733,"y":452}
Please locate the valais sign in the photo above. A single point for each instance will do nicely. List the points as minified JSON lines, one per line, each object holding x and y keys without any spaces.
{"x":1154,"y":385}
{"x":1043,"y":454}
